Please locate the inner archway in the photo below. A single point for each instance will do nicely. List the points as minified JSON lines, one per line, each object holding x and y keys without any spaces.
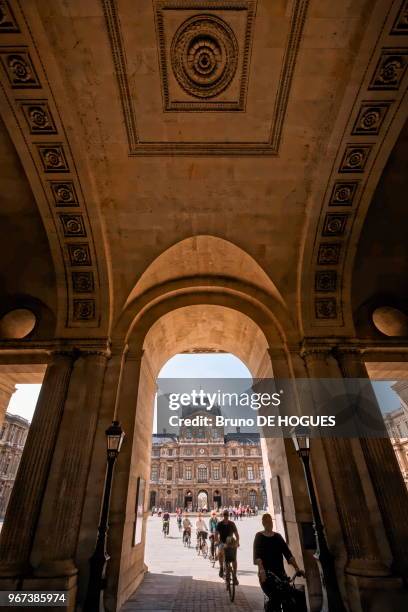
{"x":202,"y":479}
{"x":211,"y":321}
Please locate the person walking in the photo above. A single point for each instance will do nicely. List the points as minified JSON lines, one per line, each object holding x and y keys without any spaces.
{"x":269,"y":551}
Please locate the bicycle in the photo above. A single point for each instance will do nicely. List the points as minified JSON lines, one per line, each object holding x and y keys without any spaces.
{"x":202,"y":546}
{"x":166,"y":528}
{"x":213,"y":551}
{"x":286,"y":592}
{"x":187,"y":538}
{"x":229,"y":576}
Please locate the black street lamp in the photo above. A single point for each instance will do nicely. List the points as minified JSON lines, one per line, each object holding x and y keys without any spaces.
{"x":332,"y":600}
{"x":100,"y":557}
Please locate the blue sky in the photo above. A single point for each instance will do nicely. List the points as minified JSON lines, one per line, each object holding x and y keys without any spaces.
{"x":210,"y":365}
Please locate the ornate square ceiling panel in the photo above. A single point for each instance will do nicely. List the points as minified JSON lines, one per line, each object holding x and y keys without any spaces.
{"x":203,"y":77}
{"x":204,"y":54}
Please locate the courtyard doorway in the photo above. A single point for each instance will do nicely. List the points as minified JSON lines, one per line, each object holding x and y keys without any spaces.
{"x":203,"y":460}
{"x":202,"y":501}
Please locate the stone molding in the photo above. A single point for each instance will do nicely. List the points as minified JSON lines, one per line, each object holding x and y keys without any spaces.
{"x":377,"y":106}
{"x":45,"y":152}
{"x":138,"y":147}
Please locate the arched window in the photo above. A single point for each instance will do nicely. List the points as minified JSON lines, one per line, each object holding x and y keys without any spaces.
{"x":252,"y":498}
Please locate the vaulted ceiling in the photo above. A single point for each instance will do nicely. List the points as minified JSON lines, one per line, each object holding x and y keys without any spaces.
{"x":138,"y":125}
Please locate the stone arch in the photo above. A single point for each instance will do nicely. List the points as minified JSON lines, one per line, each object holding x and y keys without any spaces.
{"x":208,"y":313}
{"x":203,"y":256}
{"x":364,"y":134}
{"x":204,"y":264}
{"x":203,"y":499}
{"x":62,"y":187}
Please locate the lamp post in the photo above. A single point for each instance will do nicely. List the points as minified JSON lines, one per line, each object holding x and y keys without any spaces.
{"x":100,"y":557}
{"x":332,"y":600}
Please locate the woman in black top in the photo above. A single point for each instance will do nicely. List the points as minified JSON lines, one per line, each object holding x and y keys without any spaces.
{"x":269,"y":550}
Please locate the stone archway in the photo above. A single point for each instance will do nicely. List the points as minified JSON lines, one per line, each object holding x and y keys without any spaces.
{"x":215,"y":318}
{"x":202,"y":500}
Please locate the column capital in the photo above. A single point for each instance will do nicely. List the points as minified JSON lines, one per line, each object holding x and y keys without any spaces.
{"x":75,"y":348}
{"x":316,"y":349}
{"x":348,"y":349}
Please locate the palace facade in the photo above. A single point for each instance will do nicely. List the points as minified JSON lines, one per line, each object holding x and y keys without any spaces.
{"x":206,"y":468}
{"x":13,"y":434}
{"x":397,"y":427}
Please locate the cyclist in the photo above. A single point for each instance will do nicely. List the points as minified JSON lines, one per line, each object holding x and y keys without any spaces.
{"x":186,"y":527}
{"x":227,"y":537}
{"x":179,"y":518}
{"x":166,"y":522}
{"x":269,"y":550}
{"x":201,"y":530}
{"x":212,"y":523}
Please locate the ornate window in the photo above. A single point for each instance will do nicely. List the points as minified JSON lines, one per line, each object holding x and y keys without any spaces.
{"x":155,"y":473}
{"x":250,"y":472}
{"x":188,"y":472}
{"x":261,"y":472}
{"x":202,"y":473}
{"x":216,"y":472}
{"x":252,"y":499}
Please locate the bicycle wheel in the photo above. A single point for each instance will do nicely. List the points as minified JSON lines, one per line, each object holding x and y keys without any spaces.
{"x":289,"y":602}
{"x":232,"y":586}
{"x":227,"y":573}
{"x":204,"y":549}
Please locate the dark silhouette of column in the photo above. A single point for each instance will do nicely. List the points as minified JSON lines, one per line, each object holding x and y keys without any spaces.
{"x":26,"y":498}
{"x":382,"y":464}
{"x":363,"y":555}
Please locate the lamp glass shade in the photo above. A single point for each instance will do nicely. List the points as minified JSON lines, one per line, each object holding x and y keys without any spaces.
{"x":301,"y":439}
{"x":114,"y":437}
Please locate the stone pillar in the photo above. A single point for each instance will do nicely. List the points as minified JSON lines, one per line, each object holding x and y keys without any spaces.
{"x":26,"y":498}
{"x":386,"y":477}
{"x":58,"y":526}
{"x":290,"y":501}
{"x":6,"y":391}
{"x":362,"y":549}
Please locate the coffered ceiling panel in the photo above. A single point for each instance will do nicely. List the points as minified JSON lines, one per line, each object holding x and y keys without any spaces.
{"x":189,"y":73}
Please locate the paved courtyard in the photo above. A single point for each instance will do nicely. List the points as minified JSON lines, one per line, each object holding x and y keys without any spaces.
{"x":179,"y":580}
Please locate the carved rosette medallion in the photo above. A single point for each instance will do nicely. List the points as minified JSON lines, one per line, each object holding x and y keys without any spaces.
{"x":204,"y":56}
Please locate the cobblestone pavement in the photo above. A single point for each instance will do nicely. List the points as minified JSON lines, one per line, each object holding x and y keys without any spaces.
{"x":179,"y":580}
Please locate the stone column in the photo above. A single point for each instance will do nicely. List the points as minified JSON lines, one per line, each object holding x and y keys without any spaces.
{"x":382,"y":464}
{"x":6,"y":391}
{"x":26,"y":498}
{"x":363,"y":557}
{"x":58,"y":526}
